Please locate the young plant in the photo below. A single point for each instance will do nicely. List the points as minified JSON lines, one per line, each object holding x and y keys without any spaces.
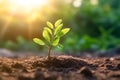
{"x":52,"y":35}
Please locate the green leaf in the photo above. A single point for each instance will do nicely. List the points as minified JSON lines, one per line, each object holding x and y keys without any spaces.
{"x":38,"y":41}
{"x":46,"y":35}
{"x":58,"y":29}
{"x":63,"y":32}
{"x":60,"y":46}
{"x":49,"y":30}
{"x":49,"y":24}
{"x":55,"y":41}
{"x":58,"y":22}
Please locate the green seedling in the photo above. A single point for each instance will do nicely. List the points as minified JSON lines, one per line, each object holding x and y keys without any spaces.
{"x":52,"y":35}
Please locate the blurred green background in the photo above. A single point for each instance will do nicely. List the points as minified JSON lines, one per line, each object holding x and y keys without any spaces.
{"x":95,"y":25}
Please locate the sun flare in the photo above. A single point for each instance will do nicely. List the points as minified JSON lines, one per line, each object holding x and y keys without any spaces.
{"x":25,"y":5}
{"x":21,"y":12}
{"x":27,"y":10}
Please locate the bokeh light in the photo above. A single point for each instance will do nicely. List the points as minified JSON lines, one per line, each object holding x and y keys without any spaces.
{"x":77,"y":3}
{"x":94,"y":2}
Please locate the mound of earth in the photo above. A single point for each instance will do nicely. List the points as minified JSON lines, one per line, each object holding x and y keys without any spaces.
{"x":60,"y":68}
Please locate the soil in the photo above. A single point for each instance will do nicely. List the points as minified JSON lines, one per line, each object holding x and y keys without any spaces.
{"x":60,"y":68}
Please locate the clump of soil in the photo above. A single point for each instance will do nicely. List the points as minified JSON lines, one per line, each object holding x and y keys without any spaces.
{"x":60,"y":68}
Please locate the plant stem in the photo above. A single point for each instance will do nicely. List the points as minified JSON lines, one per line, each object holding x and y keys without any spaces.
{"x":49,"y":52}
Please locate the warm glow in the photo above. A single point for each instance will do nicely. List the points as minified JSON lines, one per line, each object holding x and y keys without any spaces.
{"x":25,"y":5}
{"x":21,"y":12}
{"x":27,"y":10}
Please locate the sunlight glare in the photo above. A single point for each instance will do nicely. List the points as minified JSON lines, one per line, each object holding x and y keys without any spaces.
{"x":0,"y":1}
{"x":26,"y":5}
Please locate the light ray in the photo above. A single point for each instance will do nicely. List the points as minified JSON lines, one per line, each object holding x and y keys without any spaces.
{"x":26,"y":10}
{"x":5,"y":27}
{"x":29,"y":30}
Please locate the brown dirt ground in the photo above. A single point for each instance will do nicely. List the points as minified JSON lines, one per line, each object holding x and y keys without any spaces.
{"x":60,"y":68}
